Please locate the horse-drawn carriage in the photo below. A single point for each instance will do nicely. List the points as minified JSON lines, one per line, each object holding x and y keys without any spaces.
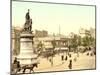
{"x":17,"y":67}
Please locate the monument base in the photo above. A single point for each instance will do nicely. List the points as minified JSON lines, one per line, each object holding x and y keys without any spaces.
{"x":27,"y":55}
{"x":24,"y":60}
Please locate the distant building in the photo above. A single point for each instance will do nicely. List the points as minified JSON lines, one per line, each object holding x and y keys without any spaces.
{"x":47,"y":42}
{"x":39,"y":33}
{"x":15,"y":40}
{"x":39,"y":36}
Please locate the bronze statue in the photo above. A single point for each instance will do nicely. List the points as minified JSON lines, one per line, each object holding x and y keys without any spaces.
{"x":28,"y":23}
{"x":27,"y":15}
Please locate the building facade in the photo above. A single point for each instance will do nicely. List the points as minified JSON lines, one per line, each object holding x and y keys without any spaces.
{"x":42,"y":33}
{"x":15,"y":41}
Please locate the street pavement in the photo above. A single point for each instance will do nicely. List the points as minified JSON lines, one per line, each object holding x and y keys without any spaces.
{"x":79,"y":62}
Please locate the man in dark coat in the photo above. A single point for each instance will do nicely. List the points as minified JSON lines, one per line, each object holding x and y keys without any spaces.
{"x":15,"y":60}
{"x":66,"y":57}
{"x":62,"y":57}
{"x":70,"y":64}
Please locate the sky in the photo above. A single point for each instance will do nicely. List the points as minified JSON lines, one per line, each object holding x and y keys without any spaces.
{"x":70,"y":18}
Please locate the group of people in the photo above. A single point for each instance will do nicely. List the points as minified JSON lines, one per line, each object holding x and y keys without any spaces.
{"x":66,"y":58}
{"x":62,"y":58}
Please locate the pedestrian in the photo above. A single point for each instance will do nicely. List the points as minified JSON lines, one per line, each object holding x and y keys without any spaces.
{"x":88,"y":54}
{"x":52,"y":63}
{"x":70,"y":64}
{"x":62,"y":57}
{"x":89,"y":48}
{"x":70,"y":55}
{"x":66,"y":57}
{"x":50,"y":60}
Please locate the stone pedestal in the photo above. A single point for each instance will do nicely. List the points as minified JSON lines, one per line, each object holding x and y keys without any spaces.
{"x":27,"y":55}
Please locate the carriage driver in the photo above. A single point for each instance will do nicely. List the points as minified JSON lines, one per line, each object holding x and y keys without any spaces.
{"x":16,"y":62}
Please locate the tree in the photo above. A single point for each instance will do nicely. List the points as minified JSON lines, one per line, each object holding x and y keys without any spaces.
{"x":74,"y":42}
{"x":89,"y":39}
{"x":92,"y":41}
{"x":86,"y":41}
{"x":79,"y":41}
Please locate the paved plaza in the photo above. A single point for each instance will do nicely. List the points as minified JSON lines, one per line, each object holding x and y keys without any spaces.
{"x":80,"y":62}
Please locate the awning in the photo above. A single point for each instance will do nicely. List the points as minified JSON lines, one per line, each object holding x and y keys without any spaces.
{"x":62,"y":48}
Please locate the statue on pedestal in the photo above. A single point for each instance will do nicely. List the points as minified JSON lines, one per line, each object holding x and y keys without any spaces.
{"x":28,"y":23}
{"x":26,"y":59}
{"x":27,"y":15}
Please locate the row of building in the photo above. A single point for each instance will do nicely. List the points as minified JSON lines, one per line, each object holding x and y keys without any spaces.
{"x":46,"y":39}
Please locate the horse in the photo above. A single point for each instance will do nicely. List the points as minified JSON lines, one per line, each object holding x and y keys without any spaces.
{"x":30,"y":67}
{"x":16,"y":68}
